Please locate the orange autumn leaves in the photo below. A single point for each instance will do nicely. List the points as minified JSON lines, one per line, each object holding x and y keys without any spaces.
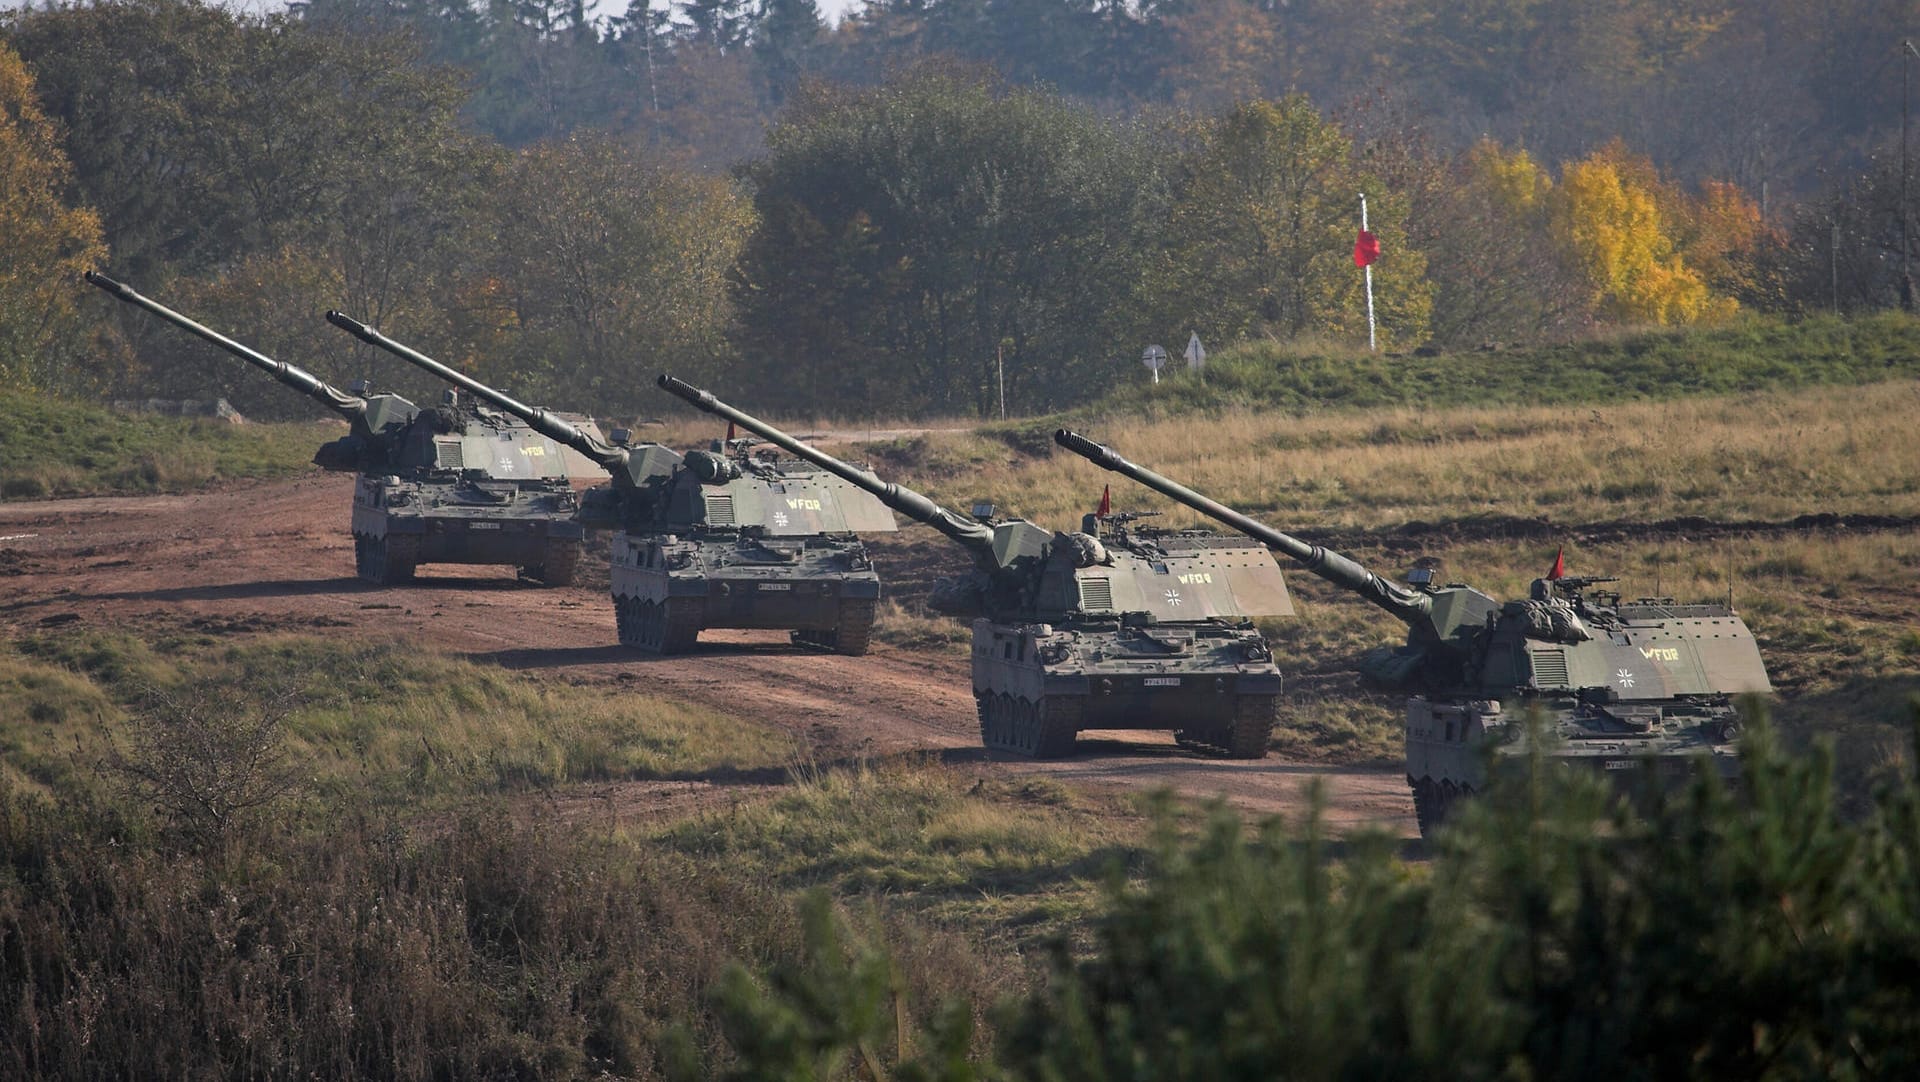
{"x":1651,"y":252}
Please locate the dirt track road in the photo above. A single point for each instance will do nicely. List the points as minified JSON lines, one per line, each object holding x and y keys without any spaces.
{"x":277,"y":555}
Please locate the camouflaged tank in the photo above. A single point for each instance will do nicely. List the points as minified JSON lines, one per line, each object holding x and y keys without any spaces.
{"x":452,"y":484}
{"x":1622,"y":686}
{"x":727,"y":538}
{"x":1110,"y":627}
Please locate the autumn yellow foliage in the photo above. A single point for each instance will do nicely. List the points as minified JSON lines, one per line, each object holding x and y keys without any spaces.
{"x":1620,"y":222}
{"x":47,"y":243}
{"x":1650,"y":252}
{"x":1517,"y":183}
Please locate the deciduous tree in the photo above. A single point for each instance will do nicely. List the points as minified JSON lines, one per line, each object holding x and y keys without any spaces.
{"x":607,"y":267}
{"x":1608,"y":211}
{"x":47,"y":240}
{"x":1261,"y":236}
{"x":914,"y":233}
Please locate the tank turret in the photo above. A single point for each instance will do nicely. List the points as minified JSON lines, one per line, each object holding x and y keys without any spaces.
{"x":1114,"y":626}
{"x":1623,"y":682}
{"x":993,"y":546}
{"x":631,"y":468}
{"x":1449,"y":618}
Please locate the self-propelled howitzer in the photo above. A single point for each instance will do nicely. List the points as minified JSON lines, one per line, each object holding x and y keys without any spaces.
{"x":445,"y":485}
{"x":1110,"y":627}
{"x":712,"y":539}
{"x":1620,"y":683}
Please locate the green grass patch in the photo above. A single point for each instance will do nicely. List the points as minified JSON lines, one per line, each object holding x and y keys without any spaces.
{"x":1027,"y":852}
{"x":1753,"y":353}
{"x":62,"y":447}
{"x":366,"y":721}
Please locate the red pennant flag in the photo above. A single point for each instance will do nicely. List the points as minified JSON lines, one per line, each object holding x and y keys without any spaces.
{"x":1106,"y":501}
{"x":1559,"y":564}
{"x":730,"y":436}
{"x":1366,"y":249}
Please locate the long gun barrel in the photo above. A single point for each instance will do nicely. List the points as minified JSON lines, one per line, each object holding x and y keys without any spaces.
{"x":1340,"y":570}
{"x":974,"y":535}
{"x":351,"y":406}
{"x":606,"y":456}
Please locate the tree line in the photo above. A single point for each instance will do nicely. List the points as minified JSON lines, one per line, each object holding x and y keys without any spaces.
{"x":908,"y":241}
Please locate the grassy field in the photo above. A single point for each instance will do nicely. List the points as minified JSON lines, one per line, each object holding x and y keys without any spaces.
{"x":1753,"y":353}
{"x":468,"y":802}
{"x":54,"y":447}
{"x":368,"y":722}
{"x":390,"y":729}
{"x":1768,"y":455}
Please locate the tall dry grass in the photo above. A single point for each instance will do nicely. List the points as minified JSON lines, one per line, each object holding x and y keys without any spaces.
{"x":1756,"y":456}
{"x":371,"y":721}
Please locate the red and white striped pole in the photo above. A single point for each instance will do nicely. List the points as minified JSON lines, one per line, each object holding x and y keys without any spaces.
{"x":1372,"y":251}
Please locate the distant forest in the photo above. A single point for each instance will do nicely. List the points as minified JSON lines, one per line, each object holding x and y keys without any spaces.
{"x":882,"y":215}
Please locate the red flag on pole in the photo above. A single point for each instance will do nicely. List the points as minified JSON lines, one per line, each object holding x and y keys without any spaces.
{"x":1106,"y":501}
{"x":730,"y":432}
{"x":1366,"y":249}
{"x":1559,"y":564}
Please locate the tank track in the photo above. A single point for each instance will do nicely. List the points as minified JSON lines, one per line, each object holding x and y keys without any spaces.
{"x":853,"y":635}
{"x":1042,"y":730}
{"x":558,"y":566}
{"x":388,"y":560}
{"x":669,"y":627}
{"x":1433,"y":802}
{"x":1246,"y":737}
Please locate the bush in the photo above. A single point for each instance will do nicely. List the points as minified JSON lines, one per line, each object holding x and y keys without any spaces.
{"x":1753,"y":932}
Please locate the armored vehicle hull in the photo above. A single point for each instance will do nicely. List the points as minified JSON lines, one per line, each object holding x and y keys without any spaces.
{"x":668,"y":588}
{"x":1618,"y":688}
{"x":399,"y":525}
{"x":1109,"y":627}
{"x":1036,"y":685}
{"x":1448,"y":740}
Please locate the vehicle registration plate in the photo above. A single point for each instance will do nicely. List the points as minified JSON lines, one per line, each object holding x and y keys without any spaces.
{"x":1163,"y":681}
